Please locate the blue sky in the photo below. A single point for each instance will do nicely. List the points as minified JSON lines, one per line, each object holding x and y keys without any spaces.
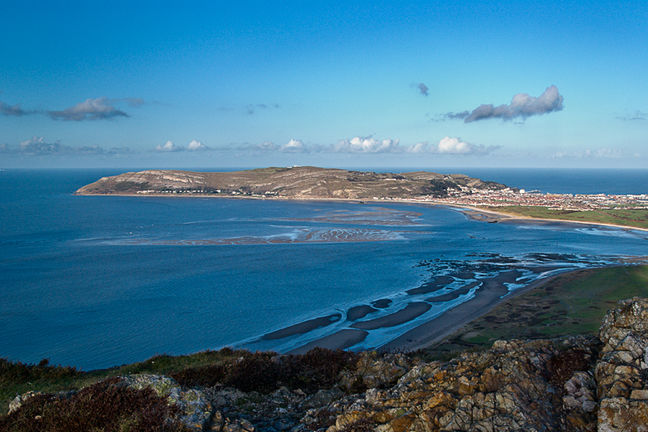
{"x":349,"y":84}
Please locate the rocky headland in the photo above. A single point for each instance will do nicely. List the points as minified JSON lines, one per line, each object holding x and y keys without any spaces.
{"x":579,"y":383}
{"x":290,"y":183}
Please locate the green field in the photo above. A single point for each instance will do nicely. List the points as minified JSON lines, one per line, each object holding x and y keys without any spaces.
{"x":569,"y":304}
{"x":627,"y":217}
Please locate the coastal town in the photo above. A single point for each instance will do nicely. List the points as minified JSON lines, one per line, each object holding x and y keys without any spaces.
{"x":571,"y":202}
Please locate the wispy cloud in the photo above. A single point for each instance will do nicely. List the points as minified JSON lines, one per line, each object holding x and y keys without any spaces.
{"x":598,"y":153}
{"x":13,"y":110}
{"x":90,"y":109}
{"x":522,"y":106}
{"x":253,"y":108}
{"x":101,"y":108}
{"x":170,"y":147}
{"x":38,"y":146}
{"x":637,"y":115}
{"x":423,"y":89}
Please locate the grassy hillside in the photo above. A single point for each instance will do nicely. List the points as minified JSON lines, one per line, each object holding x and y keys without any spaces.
{"x":569,"y":304}
{"x":627,"y":217}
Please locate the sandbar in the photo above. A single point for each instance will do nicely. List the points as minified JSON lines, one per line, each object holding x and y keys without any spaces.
{"x":431,"y":286}
{"x":339,"y":340}
{"x":381,"y":303}
{"x":358,"y":312}
{"x":302,"y":327}
{"x":408,"y":313}
{"x":454,"y":294}
{"x":486,"y":298}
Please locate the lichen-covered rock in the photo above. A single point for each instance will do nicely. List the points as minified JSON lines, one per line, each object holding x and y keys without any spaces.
{"x":513,"y":386}
{"x":195,"y":408}
{"x":622,"y":370}
{"x":579,"y":402}
{"x":375,"y":370}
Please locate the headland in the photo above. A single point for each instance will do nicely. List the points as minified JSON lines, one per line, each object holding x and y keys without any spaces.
{"x":486,"y":200}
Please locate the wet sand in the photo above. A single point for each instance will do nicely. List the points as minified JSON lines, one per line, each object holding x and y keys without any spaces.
{"x":357,"y":312}
{"x":434,"y":285}
{"x":434,"y":331}
{"x":339,"y":340}
{"x":454,"y":294}
{"x":408,"y":313}
{"x":302,"y":327}
{"x":381,"y":303}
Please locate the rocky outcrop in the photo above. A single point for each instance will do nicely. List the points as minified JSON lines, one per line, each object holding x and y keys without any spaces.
{"x":195,"y":410}
{"x":569,"y":384}
{"x":514,"y":386}
{"x":622,"y":370}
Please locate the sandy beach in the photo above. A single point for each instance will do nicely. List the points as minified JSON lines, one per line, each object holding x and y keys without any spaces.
{"x":434,"y":331}
{"x":492,"y":216}
{"x":491,"y":292}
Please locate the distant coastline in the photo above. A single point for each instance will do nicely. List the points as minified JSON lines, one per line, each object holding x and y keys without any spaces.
{"x":472,"y":196}
{"x":488,"y":215}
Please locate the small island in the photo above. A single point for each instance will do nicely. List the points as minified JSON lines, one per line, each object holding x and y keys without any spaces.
{"x":485,"y":200}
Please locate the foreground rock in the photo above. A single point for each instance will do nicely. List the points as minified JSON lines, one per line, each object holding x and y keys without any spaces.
{"x":622,"y":370}
{"x":571,"y":384}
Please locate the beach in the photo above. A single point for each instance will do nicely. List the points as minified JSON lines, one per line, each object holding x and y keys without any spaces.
{"x":488,"y":294}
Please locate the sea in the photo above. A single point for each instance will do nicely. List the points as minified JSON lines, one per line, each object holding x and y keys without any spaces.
{"x":94,"y":282}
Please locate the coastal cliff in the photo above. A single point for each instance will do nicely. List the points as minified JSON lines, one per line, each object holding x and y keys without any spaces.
{"x":584,"y":383}
{"x":293,"y":183}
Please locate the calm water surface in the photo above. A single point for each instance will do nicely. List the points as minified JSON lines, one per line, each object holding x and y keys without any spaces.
{"x":99,"y":281}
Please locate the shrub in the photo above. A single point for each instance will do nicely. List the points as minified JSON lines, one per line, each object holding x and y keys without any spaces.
{"x":107,"y":406}
{"x":266,"y":371}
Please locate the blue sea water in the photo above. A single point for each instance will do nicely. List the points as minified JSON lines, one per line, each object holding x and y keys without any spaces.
{"x":100,"y":281}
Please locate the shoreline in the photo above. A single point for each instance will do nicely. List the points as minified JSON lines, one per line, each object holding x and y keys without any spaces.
{"x":491,"y":216}
{"x":433,"y":331}
{"x":438,"y":329}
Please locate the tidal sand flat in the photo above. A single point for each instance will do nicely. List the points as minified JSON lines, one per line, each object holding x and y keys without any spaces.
{"x":454,"y":294}
{"x":381,"y":303}
{"x":431,"y":286}
{"x":413,"y":321}
{"x":488,"y":296}
{"x":358,"y":312}
{"x":303,"y":327}
{"x":342,"y":339}
{"x":408,"y":313}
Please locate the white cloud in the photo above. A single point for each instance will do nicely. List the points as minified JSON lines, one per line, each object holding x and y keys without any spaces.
{"x":293,"y":146}
{"x":454,"y":146}
{"x":195,"y":145}
{"x":367,"y":144}
{"x":451,"y":145}
{"x":168,"y":147}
